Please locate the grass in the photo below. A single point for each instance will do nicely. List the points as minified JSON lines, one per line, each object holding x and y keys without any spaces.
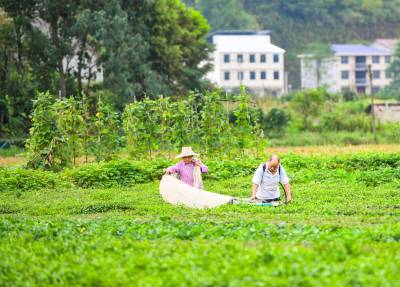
{"x":337,"y":232}
{"x":12,"y":156}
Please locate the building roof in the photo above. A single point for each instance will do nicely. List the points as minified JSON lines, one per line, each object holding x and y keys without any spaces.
{"x":239,"y":33}
{"x":244,"y":41}
{"x":389,"y":44}
{"x":357,"y":49}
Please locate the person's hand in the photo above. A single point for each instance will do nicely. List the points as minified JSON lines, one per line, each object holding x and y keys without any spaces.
{"x":196,"y":162}
{"x":288,"y":201}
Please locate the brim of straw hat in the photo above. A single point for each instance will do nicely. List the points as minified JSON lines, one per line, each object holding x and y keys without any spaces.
{"x":186,"y":154}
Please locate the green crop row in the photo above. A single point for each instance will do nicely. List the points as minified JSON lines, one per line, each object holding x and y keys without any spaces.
{"x":168,"y":253}
{"x":366,"y":168}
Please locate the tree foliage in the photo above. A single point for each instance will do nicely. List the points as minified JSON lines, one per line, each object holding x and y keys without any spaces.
{"x":139,"y":47}
{"x":47,"y":147}
{"x":394,"y":72}
{"x":308,"y":105}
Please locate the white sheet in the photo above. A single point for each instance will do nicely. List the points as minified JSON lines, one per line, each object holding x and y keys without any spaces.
{"x":177,"y":192}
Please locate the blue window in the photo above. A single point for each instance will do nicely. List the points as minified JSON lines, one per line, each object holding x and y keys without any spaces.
{"x":252,"y":75}
{"x":345,"y":75}
{"x":252,"y":58}
{"x":240,"y":58}
{"x":263,"y":75}
{"x":263,"y":58}
{"x":276,"y":58}
{"x":388,"y":59}
{"x":227,"y":76}
{"x":344,"y":59}
{"x":240,"y":76}
{"x":276,"y":75}
{"x":227,"y":58}
{"x":376,"y":74}
{"x":376,"y":59}
{"x":375,"y":89}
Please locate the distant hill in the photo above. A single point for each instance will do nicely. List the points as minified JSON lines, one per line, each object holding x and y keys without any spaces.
{"x":297,"y":23}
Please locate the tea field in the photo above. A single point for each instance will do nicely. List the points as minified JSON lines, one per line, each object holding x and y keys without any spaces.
{"x":342,"y":229}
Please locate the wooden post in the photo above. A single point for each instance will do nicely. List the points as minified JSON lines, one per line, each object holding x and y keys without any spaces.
{"x":372,"y":104}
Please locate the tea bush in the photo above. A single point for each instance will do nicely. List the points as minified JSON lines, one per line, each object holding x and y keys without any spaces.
{"x":371,"y":169}
{"x":24,"y":179}
{"x":116,"y":173}
{"x":342,"y":228}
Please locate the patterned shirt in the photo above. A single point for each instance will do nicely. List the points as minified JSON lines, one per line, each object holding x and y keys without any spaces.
{"x":185,"y":171}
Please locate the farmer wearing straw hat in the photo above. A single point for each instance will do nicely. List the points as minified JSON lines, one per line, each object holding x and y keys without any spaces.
{"x":189,"y":168}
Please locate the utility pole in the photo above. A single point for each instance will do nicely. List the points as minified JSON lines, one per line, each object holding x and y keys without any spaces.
{"x":372,"y":104}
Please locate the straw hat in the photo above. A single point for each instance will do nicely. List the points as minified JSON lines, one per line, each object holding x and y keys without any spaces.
{"x":187,"y":151}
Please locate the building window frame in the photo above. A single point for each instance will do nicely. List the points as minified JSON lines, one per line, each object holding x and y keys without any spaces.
{"x":375,"y":89}
{"x":227,"y":58}
{"x":252,"y":58}
{"x":276,"y":58}
{"x":227,"y":76}
{"x":376,"y":59}
{"x":388,"y":59}
{"x":240,"y":76}
{"x":376,"y":74}
{"x":263,"y":75}
{"x":263,"y":58}
{"x":345,"y":74}
{"x":344,"y":59}
{"x":276,"y":75}
{"x":239,"y":58}
{"x":252,"y":75}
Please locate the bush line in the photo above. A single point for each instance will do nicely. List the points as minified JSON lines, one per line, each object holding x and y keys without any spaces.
{"x":370,"y":169}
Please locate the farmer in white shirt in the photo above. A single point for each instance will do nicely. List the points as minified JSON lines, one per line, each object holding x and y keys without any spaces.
{"x":266,"y":181}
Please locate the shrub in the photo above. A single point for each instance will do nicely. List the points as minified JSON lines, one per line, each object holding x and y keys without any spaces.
{"x":275,"y":122}
{"x":46,"y":145}
{"x":116,"y":173}
{"x":24,"y":179}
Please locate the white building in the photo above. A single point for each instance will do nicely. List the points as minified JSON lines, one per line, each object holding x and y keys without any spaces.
{"x":347,"y":67}
{"x":248,"y":58}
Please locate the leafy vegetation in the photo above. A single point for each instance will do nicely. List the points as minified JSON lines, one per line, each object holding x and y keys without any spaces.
{"x":341,"y":229}
{"x":368,"y":169}
{"x":129,"y":48}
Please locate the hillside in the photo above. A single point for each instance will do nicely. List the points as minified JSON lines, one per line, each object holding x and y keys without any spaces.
{"x":297,"y":23}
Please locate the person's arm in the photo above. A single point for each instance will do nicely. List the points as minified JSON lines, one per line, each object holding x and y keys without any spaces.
{"x":253,"y":194}
{"x":173,"y":169}
{"x":256,"y":181}
{"x":203,"y":167}
{"x":288,"y":193}
{"x":285,"y":181}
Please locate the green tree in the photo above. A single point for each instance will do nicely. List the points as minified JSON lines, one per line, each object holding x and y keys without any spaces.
{"x":394,"y":72}
{"x":177,"y":57}
{"x":17,"y":82}
{"x":225,"y":14}
{"x":308,"y":105}
{"x":61,"y":17}
{"x":275,"y":122}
